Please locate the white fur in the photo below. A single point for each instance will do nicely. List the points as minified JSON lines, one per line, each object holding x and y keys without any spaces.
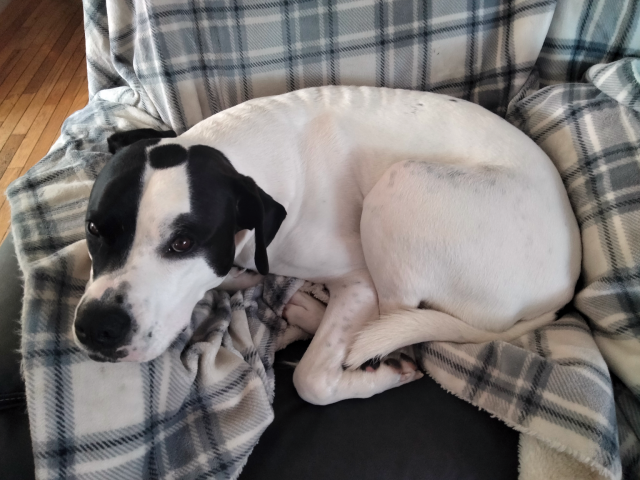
{"x":161,"y":293}
{"x":396,"y":197}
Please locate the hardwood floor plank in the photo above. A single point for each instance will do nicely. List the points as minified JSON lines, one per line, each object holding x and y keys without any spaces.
{"x":10,"y":69}
{"x":11,"y":11}
{"x":54,"y":97}
{"x":9,"y":57}
{"x":7,"y":105}
{"x":37,"y":142}
{"x":53,"y":55}
{"x":29,"y":55}
{"x":42,"y":81}
{"x":9,"y":176}
{"x":43,"y":53}
{"x":31,"y":138}
{"x":52,"y":130}
{"x":9,"y":150}
{"x":47,"y":86}
{"x":14,"y":116}
{"x":23,"y":11}
{"x":5,"y":219}
{"x":65,"y":77}
{"x":36,"y":14}
{"x":82,"y":98}
{"x":61,"y":13}
{"x":16,"y":41}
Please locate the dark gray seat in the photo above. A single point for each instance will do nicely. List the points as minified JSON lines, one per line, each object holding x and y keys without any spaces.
{"x":16,"y":459}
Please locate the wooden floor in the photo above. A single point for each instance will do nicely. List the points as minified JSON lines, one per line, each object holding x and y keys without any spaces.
{"x":43,"y":79}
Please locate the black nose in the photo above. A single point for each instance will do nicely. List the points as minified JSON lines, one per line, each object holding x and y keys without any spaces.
{"x":102,"y":328}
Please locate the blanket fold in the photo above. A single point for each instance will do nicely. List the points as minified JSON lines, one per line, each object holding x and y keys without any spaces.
{"x":198,"y":410}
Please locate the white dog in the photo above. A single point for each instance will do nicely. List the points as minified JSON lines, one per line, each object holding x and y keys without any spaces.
{"x":427,"y":217}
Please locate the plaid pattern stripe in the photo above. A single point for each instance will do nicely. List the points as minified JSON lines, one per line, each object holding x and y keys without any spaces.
{"x":584,"y":33}
{"x":592,"y":133}
{"x":197,"y":411}
{"x":533,"y":384}
{"x":190,"y":59}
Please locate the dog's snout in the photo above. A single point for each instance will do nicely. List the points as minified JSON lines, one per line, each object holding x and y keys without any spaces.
{"x":103,"y":328}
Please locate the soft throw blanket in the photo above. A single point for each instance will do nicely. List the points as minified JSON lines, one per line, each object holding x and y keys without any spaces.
{"x":197,"y":411}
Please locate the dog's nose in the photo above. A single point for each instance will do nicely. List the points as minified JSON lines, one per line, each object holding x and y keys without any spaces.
{"x":102,"y":328}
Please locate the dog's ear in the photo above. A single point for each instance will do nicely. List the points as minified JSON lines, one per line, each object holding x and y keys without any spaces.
{"x":257,"y":210}
{"x":119,"y":140}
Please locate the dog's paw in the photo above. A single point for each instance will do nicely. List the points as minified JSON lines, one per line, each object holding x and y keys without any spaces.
{"x":399,"y":361}
{"x":304,"y":312}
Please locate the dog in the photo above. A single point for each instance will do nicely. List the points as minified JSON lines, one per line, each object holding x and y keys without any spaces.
{"x":427,"y":217}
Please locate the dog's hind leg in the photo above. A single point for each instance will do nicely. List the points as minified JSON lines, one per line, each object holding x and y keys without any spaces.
{"x":461,"y":253}
{"x":321,"y":377}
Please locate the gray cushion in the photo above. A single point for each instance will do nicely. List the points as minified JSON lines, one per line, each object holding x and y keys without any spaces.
{"x":11,"y":385}
{"x":16,"y":458}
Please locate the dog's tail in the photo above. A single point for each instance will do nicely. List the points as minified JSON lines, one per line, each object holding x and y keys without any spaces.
{"x":409,"y":326}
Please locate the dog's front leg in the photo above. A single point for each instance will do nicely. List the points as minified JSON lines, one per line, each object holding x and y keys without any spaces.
{"x":320,"y":377}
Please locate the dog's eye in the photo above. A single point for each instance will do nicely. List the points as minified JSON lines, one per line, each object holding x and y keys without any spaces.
{"x":181,"y":245}
{"x":93,"y":230}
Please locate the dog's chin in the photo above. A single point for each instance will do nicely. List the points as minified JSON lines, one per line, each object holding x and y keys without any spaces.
{"x":96,"y":357}
{"x":135,"y":353}
{"x":124,"y":354}
{"x":138,"y":351}
{"x":108,"y":358}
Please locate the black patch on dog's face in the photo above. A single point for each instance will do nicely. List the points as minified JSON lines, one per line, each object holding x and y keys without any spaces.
{"x":167,"y":156}
{"x":113,"y":207}
{"x":211,"y":182}
{"x":223,"y":202}
{"x":119,"y":140}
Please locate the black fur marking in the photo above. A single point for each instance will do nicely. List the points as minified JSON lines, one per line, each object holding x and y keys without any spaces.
{"x":424,"y":305}
{"x":373,"y":363}
{"x":113,"y":207}
{"x":417,"y":354}
{"x":223,"y":202}
{"x":167,"y":156}
{"x":119,"y":140}
{"x":393,"y":363}
{"x":568,"y":308}
{"x":408,"y":359}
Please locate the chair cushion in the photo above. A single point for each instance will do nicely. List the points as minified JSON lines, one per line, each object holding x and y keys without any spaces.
{"x":11,"y":385}
{"x":417,"y":431}
{"x":16,"y":459}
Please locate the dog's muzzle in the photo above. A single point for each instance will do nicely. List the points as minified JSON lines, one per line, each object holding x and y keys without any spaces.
{"x":103,"y":329}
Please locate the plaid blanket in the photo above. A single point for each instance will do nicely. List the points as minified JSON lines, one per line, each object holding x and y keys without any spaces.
{"x":197,"y":411}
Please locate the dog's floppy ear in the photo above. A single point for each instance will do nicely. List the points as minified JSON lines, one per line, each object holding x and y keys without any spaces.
{"x":119,"y":140}
{"x":257,"y":210}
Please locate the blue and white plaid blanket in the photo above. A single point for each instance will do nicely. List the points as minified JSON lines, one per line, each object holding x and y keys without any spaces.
{"x":572,"y":388}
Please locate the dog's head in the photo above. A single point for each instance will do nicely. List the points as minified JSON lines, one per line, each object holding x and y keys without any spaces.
{"x":162,"y":226}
